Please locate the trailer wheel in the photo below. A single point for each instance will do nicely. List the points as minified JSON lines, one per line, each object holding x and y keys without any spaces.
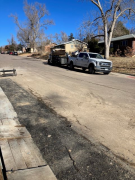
{"x":49,"y":61}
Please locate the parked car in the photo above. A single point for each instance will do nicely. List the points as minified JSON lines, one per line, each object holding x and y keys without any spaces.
{"x":15,"y":53}
{"x":10,"y":53}
{"x":94,"y":62}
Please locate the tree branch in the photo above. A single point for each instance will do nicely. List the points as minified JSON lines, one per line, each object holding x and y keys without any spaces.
{"x":110,"y":8}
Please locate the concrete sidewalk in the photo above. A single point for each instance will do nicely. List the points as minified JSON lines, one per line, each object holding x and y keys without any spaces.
{"x":22,"y":158}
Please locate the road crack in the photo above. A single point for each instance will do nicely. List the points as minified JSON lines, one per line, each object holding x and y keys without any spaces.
{"x":74,"y":163}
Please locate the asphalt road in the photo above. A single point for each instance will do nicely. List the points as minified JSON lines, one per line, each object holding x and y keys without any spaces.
{"x":92,"y":113}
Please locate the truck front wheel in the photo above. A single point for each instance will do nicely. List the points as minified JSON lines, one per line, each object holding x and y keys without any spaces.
{"x":71,"y":66}
{"x":106,"y":73}
{"x":91,"y":69}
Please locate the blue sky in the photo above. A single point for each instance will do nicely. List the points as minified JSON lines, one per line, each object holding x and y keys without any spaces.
{"x":67,"y":15}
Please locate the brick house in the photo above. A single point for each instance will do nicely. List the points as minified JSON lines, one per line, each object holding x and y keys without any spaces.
{"x":122,"y":42}
{"x":48,"y":47}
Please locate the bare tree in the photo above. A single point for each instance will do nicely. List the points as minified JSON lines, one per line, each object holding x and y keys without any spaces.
{"x":61,"y":38}
{"x":85,"y":30}
{"x":42,"y":41}
{"x":12,"y":44}
{"x":109,"y":14}
{"x":132,"y":30}
{"x":12,"y":40}
{"x":30,"y":30}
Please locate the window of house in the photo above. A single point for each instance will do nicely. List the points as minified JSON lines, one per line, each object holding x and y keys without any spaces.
{"x":72,"y":46}
{"x":124,"y":43}
{"x":111,"y":45}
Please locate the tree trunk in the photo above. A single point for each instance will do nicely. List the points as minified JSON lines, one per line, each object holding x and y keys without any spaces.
{"x":107,"y":47}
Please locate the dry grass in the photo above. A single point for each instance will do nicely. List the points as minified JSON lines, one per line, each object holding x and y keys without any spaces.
{"x":124,"y":65}
{"x":25,"y":54}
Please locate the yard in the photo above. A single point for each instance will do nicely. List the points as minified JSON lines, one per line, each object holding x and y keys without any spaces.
{"x":124,"y":65}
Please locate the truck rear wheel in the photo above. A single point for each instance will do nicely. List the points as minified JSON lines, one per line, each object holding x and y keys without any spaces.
{"x":71,"y":66}
{"x":91,"y":69}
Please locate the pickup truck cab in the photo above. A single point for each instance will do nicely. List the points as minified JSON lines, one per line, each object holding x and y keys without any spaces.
{"x":94,"y":62}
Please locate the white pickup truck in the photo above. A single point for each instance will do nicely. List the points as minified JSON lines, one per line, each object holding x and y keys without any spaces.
{"x":94,"y":62}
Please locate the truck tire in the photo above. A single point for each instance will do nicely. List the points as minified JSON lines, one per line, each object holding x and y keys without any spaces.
{"x":106,"y":73}
{"x":91,"y":69}
{"x":71,"y":66}
{"x":49,"y":61}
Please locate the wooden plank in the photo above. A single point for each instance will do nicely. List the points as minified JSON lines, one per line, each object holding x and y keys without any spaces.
{"x":19,"y":160}
{"x":1,"y":174}
{"x":1,"y":123}
{"x":14,"y":122}
{"x":7,"y":156}
{"x":27,"y":155}
{"x":10,"y":176}
{"x":12,"y":132}
{"x":23,"y":131}
{"x":5,"y":121}
{"x":35,"y":151}
{"x":40,"y":173}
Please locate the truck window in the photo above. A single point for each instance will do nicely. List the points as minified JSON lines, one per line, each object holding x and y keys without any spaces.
{"x":85,"y":55}
{"x":81,"y":55}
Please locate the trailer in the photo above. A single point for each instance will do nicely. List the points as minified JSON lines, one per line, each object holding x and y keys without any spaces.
{"x":58,"y":57}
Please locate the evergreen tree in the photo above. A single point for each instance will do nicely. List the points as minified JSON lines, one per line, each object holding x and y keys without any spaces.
{"x":93,"y":46}
{"x":120,"y":30}
{"x":70,"y":37}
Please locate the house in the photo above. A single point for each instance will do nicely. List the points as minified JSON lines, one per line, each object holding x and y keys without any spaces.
{"x":122,"y":42}
{"x":72,"y":46}
{"x":48,"y":47}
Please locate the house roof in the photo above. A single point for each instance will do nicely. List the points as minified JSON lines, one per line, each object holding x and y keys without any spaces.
{"x":129,"y":36}
{"x":51,"y":44}
{"x":68,"y":42}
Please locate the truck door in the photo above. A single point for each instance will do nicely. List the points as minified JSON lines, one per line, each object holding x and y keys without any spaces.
{"x":85,"y":60}
{"x":79,"y":60}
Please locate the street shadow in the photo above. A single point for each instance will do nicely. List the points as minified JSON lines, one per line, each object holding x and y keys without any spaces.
{"x":26,"y":59}
{"x":75,"y":69}
{"x":7,"y":75}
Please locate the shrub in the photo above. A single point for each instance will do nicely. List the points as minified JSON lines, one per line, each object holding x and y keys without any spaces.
{"x":118,"y":52}
{"x":128,"y":51}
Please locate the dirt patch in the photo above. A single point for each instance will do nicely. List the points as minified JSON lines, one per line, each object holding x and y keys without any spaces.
{"x":25,"y":54}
